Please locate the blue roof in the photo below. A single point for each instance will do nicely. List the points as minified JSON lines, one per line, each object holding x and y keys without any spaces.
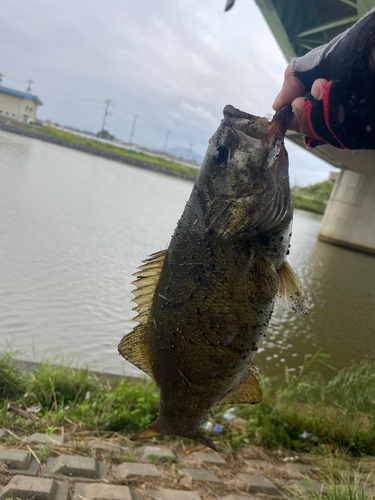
{"x":22,"y":95}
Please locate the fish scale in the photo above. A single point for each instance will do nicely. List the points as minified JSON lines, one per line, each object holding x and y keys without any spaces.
{"x":204,"y":304}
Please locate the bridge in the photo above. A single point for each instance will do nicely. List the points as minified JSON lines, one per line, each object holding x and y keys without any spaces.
{"x":299,"y":26}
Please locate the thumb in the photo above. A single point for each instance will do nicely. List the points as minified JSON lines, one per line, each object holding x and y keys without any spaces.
{"x":291,"y":89}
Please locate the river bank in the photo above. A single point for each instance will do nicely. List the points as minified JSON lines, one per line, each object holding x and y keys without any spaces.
{"x":301,"y":413}
{"x":308,"y":436}
{"x":102,"y":149}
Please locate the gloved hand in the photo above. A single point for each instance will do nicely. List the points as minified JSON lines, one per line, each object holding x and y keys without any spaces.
{"x":339,"y":108}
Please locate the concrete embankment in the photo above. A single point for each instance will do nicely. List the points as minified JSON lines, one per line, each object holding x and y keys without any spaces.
{"x":97,"y":152}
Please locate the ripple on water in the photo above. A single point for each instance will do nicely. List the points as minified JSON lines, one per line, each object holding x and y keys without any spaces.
{"x":74,"y":229}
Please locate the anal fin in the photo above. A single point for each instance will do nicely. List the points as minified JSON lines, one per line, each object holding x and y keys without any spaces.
{"x":247,"y":391}
{"x":291,"y":295}
{"x":134,"y":347}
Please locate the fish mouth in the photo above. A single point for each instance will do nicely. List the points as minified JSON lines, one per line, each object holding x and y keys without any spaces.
{"x":278,"y":126}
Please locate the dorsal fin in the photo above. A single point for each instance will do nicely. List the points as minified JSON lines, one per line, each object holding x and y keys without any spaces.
{"x":247,"y":391}
{"x":134,"y":347}
{"x":147,"y":279}
{"x":291,"y":295}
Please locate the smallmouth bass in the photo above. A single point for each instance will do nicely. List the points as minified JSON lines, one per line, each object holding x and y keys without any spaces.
{"x":204,"y":304}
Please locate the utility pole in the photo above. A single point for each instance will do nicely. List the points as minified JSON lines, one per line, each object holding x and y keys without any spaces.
{"x":29,"y":86}
{"x":189,"y":152}
{"x":1,"y":78}
{"x":165,"y":143}
{"x":108,"y":103}
{"x":132,"y":132}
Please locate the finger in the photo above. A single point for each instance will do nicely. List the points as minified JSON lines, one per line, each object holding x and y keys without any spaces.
{"x":291,"y":89}
{"x":298,"y":106}
{"x":317,"y":89}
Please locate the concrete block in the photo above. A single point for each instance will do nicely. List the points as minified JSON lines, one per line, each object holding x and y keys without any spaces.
{"x":37,"y":488}
{"x":128,"y":470}
{"x":160,"y":454}
{"x":208,"y":458}
{"x":19,"y":461}
{"x":173,"y":495}
{"x":77,"y":468}
{"x":258,"y":464}
{"x":106,"y":447}
{"x":258,"y":484}
{"x":51,"y":439}
{"x":305,"y":487}
{"x":99,"y":491}
{"x":201,"y":475}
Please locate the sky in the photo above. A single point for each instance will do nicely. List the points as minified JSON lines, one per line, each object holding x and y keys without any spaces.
{"x":173,"y":64}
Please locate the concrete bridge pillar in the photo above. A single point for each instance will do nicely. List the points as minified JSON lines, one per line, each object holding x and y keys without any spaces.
{"x":349,"y":219}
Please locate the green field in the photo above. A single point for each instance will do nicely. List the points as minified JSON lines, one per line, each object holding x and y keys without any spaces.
{"x":52,"y":132}
{"x":313,"y":198}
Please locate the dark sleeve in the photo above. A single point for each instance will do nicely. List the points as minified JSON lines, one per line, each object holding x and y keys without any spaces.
{"x":346,"y":116}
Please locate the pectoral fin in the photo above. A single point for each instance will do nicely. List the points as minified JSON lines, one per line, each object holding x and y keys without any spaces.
{"x":262,"y":282}
{"x":134,"y":347}
{"x":291,"y":295}
{"x":247,"y":391}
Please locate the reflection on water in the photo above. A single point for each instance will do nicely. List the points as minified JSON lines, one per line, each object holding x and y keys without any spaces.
{"x":75,"y":227}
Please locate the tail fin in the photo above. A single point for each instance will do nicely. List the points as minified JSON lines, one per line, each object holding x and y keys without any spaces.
{"x":152,"y":430}
{"x":200,"y":438}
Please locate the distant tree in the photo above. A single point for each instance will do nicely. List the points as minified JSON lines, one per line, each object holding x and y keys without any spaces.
{"x":106,"y":135}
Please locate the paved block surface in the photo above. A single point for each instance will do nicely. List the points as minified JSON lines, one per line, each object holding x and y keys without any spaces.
{"x":305,"y":487}
{"x":90,"y":491}
{"x":19,"y":461}
{"x":258,"y":484}
{"x":75,"y":467}
{"x":127,"y":470}
{"x":39,"y":438}
{"x":37,"y":488}
{"x":208,"y":458}
{"x":300,"y":468}
{"x":201,"y":475}
{"x":258,"y":464}
{"x":173,"y":495}
{"x":159,"y":454}
{"x":240,"y":497}
{"x":110,"y":448}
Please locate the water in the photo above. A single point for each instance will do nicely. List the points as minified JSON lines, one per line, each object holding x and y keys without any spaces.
{"x":74,"y":228}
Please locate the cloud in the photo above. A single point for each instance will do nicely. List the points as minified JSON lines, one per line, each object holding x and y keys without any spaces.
{"x":173,"y":64}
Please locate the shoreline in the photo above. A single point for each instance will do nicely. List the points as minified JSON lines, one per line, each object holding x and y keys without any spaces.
{"x":97,"y":152}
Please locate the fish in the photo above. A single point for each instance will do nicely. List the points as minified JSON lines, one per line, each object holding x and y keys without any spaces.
{"x":204,"y":303}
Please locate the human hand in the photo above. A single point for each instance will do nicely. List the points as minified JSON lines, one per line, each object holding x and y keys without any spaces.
{"x":331,"y":90}
{"x":293,"y":92}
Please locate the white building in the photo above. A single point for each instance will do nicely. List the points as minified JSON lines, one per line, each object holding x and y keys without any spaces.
{"x":20,"y":106}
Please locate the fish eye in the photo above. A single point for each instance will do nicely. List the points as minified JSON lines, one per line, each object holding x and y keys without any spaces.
{"x":220,"y":155}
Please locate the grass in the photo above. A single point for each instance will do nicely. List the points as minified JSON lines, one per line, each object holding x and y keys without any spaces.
{"x":337,"y":486}
{"x":112,"y":148}
{"x":313,"y":198}
{"x":301,"y":412}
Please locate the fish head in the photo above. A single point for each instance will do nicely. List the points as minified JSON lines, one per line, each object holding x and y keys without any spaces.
{"x":244,"y":179}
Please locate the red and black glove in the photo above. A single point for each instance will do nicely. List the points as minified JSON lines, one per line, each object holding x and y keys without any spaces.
{"x":345,"y":117}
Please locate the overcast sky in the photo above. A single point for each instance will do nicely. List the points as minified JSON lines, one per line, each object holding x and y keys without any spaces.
{"x":175,"y":64}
